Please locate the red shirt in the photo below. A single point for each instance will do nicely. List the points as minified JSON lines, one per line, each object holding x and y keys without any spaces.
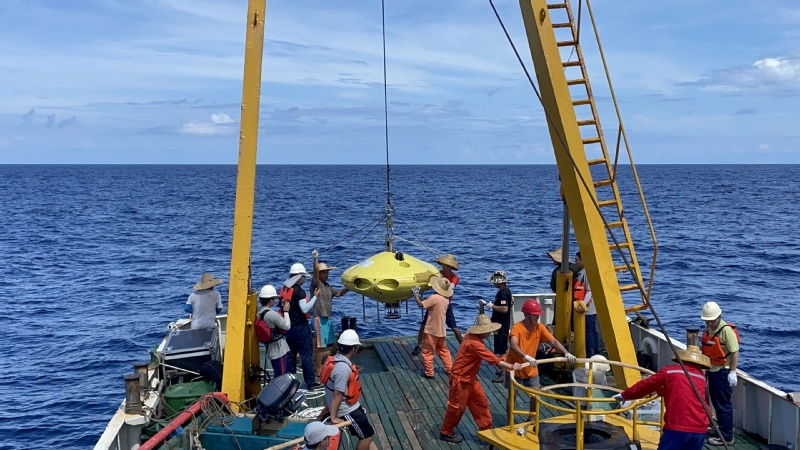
{"x":469,"y":357}
{"x":684,"y":412}
{"x":453,"y":280}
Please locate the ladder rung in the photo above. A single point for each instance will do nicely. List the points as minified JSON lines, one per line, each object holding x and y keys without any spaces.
{"x":605,"y":203}
{"x":593,"y":162}
{"x":557,"y":6}
{"x":584,"y":101}
{"x":574,"y":82}
{"x":562,"y":25}
{"x":620,"y":268}
{"x":570,"y":63}
{"x":591,"y":140}
{"x":587,"y":122}
{"x":566,"y":43}
{"x":602,"y":183}
{"x":622,"y":245}
{"x":635,"y":308}
{"x":629,"y":287}
{"x":615,"y":224}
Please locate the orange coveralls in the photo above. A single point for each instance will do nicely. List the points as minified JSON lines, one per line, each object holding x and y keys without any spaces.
{"x":465,"y":389}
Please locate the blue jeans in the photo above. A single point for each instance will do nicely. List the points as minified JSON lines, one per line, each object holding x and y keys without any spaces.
{"x":681,"y":440}
{"x":592,"y":339}
{"x":720,"y":392}
{"x":299,"y":340}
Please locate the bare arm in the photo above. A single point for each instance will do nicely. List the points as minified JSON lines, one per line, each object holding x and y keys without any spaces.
{"x":336,"y":402}
{"x":514,"y":341}
{"x":500,"y":309}
{"x":734,"y":361}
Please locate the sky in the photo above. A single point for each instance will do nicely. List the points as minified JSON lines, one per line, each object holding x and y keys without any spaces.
{"x":159,"y":82}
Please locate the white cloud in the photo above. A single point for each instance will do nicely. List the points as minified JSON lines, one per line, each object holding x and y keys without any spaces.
{"x":216,"y":125}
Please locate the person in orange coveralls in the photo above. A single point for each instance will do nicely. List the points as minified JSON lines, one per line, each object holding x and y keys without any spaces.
{"x":465,"y":389}
{"x":435,"y":333}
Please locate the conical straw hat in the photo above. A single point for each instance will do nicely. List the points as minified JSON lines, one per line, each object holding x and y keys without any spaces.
{"x":483,"y":324}
{"x":449,"y":260}
{"x":693,"y":354}
{"x":441,"y":285}
{"x":207,"y":281}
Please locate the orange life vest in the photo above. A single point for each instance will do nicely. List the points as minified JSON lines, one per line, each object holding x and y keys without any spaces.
{"x":713,"y":348}
{"x":578,"y":289}
{"x":353,"y":384}
{"x":286,"y":296}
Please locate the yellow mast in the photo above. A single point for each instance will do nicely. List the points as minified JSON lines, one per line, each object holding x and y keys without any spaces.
{"x":241,"y":349}
{"x":572,"y":167}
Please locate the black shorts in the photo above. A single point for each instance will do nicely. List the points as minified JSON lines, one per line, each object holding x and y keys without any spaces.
{"x":360,"y":424}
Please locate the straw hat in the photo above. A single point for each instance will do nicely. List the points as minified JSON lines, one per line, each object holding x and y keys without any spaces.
{"x":441,"y":285}
{"x":207,"y":281}
{"x":448,"y":260}
{"x":556,"y":255}
{"x":483,"y":324}
{"x":322,"y":267}
{"x":693,"y":354}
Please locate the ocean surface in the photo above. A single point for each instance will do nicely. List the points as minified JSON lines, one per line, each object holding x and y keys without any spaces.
{"x":97,"y":260}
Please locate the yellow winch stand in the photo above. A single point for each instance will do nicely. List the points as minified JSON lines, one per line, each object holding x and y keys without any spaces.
{"x":525,"y":435}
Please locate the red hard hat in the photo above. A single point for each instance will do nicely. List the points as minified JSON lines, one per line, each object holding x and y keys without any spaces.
{"x":531,"y":306}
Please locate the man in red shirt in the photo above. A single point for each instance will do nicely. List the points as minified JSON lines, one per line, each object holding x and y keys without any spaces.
{"x":435,"y":333}
{"x":524,"y":338}
{"x":465,"y":389}
{"x":685,"y":419}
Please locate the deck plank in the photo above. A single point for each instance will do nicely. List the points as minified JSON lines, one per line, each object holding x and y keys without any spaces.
{"x":413,"y":442}
{"x":380,"y":439}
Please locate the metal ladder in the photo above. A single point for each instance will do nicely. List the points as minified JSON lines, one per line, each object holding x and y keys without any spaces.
{"x":602,"y":167}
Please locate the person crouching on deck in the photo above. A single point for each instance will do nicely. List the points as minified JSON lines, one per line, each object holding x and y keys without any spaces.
{"x":435,"y":334}
{"x":343,"y":389}
{"x":465,"y":389}
{"x":685,"y":419}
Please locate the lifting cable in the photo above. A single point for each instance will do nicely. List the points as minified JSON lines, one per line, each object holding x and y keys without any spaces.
{"x":562,"y":140}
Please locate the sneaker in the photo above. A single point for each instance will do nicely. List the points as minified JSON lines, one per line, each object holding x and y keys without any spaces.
{"x":498,"y":378}
{"x":416,"y":351}
{"x":718,"y":441}
{"x":452,"y":438}
{"x":313,"y":387}
{"x":430,"y":377}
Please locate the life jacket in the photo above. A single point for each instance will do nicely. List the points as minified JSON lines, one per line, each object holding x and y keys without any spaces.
{"x":286,"y":296}
{"x":712,"y":346}
{"x":578,"y":289}
{"x":353,"y":384}
{"x":264,"y":333}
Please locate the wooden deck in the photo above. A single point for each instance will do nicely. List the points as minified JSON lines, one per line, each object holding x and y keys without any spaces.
{"x":407,"y":409}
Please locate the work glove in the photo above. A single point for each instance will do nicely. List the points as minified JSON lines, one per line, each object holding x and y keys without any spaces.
{"x":618,"y":397}
{"x":314,"y":253}
{"x":415,"y":290}
{"x":531,"y":360}
{"x":732,"y":379}
{"x":484,"y":303}
{"x":570,"y":358}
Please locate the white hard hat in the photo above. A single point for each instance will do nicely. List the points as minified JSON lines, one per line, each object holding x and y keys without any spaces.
{"x":268,"y":292}
{"x":298,"y":269}
{"x":602,"y":367}
{"x":349,"y":337}
{"x":711,"y":311}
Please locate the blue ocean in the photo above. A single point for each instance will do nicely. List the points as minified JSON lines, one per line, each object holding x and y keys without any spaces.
{"x":97,"y":260}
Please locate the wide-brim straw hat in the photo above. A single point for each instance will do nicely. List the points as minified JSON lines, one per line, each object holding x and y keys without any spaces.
{"x":441,"y":285}
{"x":693,"y":354}
{"x":557,"y":255}
{"x":207,"y":281}
{"x":448,"y":260}
{"x":322,"y":267}
{"x":483,"y":324}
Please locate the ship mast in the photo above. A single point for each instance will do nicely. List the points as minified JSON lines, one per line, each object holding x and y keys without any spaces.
{"x":241,"y":349}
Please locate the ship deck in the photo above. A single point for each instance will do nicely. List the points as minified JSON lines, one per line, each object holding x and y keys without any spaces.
{"x":407,"y":409}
